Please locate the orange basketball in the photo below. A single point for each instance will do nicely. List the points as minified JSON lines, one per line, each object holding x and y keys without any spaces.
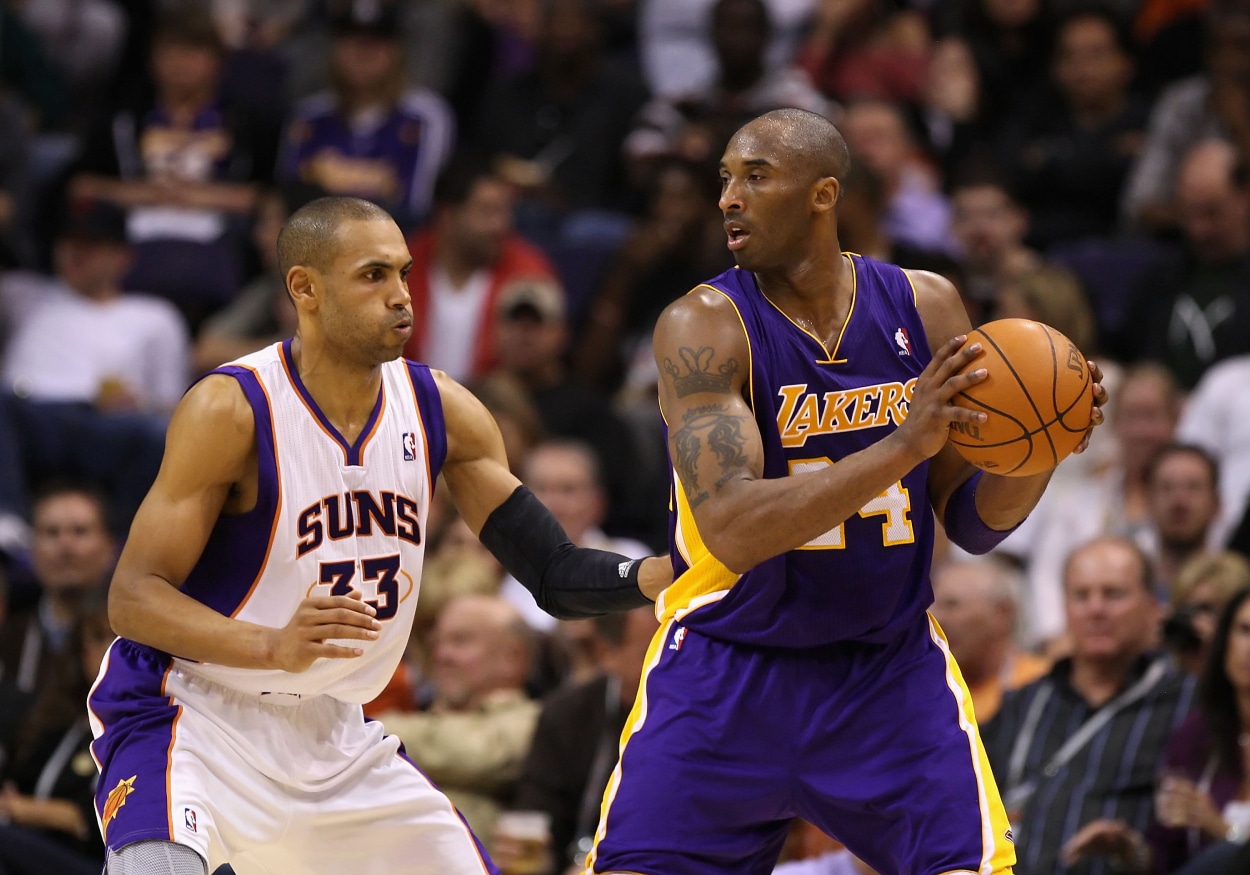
{"x":1039,"y":398}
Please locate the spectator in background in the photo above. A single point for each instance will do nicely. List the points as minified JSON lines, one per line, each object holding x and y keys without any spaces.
{"x":1201,"y":816}
{"x":989,"y":226}
{"x":1010,"y":41}
{"x":1111,"y":501}
{"x":262,"y":312}
{"x":679,"y":242}
{"x":472,"y":740}
{"x":1213,"y":104}
{"x":532,"y":333}
{"x":577,"y":738}
{"x":1203,"y":586}
{"x":72,"y":554}
{"x":87,"y":340}
{"x":14,"y":702}
{"x":1068,"y":153}
{"x":1119,"y":697}
{"x":917,"y":214}
{"x":977,"y":603}
{"x":697,"y":126}
{"x":188,"y":165}
{"x":556,"y":130}
{"x":1196,"y":311}
{"x":868,"y":49}
{"x":461,"y":265}
{"x":84,"y":41}
{"x":1182,"y":494}
{"x":370,"y":135}
{"x":47,"y":807}
{"x":1217,"y":418}
{"x":676,"y":48}
{"x":947,"y":112}
{"x":567,"y":477}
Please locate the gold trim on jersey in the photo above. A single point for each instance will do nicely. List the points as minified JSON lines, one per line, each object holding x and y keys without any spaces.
{"x":997,"y":855}
{"x":706,"y":580}
{"x":831,"y":357}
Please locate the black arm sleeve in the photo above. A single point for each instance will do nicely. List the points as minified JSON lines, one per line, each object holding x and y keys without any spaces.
{"x":566,"y":581}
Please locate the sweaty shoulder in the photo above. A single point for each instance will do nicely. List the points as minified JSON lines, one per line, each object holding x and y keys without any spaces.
{"x":218,"y":401}
{"x":940,"y":307}
{"x":702,"y":313}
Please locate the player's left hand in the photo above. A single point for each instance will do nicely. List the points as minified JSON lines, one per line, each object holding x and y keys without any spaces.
{"x":1100,"y":398}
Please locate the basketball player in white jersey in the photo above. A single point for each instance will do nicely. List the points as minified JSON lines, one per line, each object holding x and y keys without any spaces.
{"x":268,"y":584}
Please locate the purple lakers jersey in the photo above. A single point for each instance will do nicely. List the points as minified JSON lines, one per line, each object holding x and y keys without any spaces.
{"x":814,"y":406}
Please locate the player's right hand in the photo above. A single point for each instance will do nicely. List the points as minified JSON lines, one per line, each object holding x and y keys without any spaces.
{"x":931,"y":412}
{"x":318,"y":620}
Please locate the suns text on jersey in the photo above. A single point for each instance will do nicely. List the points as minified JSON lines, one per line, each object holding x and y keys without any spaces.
{"x":357,"y":513}
{"x":803,"y":414}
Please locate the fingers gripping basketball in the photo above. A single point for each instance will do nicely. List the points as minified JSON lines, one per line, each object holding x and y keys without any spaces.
{"x":1038,"y":398}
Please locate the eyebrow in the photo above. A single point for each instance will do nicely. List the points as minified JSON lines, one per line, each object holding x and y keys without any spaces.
{"x":385,"y":265}
{"x":750,"y":162}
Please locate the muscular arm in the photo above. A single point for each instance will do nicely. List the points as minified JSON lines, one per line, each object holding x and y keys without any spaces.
{"x":208,"y":451}
{"x":476,"y":472}
{"x":718,"y":453}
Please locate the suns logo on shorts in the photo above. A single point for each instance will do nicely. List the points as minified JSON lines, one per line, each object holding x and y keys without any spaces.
{"x":116,"y":799}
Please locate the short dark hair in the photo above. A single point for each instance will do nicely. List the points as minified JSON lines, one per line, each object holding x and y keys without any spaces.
{"x":1121,"y":32}
{"x":188,"y":27}
{"x":308,"y":236}
{"x":458,"y":179}
{"x":1178,"y":449}
{"x":62,"y":486}
{"x":813,"y":136}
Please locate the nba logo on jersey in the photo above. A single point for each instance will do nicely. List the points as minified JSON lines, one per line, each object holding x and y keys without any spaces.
{"x":410,"y":446}
{"x":903,"y":340}
{"x":678,"y":638}
{"x":188,"y":816}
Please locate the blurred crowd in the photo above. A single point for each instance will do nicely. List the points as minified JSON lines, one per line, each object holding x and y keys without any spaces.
{"x":553,"y":165}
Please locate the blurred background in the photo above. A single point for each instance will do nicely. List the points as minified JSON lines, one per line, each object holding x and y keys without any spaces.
{"x":553,"y":165}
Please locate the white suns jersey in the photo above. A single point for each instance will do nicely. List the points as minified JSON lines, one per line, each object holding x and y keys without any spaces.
{"x":330,"y":518}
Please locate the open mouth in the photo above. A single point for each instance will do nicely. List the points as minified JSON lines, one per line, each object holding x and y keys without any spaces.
{"x":737,"y":235}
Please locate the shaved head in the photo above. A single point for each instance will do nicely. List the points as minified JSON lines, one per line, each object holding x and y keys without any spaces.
{"x":808,"y":136}
{"x":309,"y":236}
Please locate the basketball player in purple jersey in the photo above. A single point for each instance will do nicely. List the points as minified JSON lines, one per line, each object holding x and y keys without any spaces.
{"x":268,"y":585}
{"x":808,"y":399}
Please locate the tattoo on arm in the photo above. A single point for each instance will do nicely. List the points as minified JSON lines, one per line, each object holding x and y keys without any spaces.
{"x":722,"y":432}
{"x":698,"y":375}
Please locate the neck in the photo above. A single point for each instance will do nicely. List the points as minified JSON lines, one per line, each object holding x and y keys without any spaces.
{"x":1098,"y":680}
{"x":738,"y":79}
{"x":63,"y":605}
{"x":1243,"y":709}
{"x":183,"y":106}
{"x":815,"y":292}
{"x":1097,"y":110}
{"x":345,"y":392}
{"x":99,"y":291}
{"x":1172,"y":556}
{"x":357,"y":100}
{"x":455,"y":263}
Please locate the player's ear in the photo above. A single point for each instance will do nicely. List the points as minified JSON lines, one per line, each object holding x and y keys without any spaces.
{"x":826,"y":192}
{"x":301,"y":283}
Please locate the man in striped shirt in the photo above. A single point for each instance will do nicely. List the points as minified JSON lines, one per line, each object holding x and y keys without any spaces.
{"x":1083,"y":743}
